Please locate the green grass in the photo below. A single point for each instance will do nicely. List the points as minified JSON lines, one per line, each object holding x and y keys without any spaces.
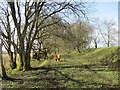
{"x":84,"y":71}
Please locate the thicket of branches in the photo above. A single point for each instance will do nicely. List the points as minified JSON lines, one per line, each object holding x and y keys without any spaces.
{"x":25,"y":23}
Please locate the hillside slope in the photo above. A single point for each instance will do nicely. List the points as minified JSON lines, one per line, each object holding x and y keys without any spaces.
{"x":87,"y":70}
{"x":106,"y":56}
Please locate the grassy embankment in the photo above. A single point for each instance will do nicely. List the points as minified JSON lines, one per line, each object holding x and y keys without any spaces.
{"x":92,"y":68}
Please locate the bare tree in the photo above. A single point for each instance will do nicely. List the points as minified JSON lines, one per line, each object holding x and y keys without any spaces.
{"x":109,"y":35}
{"x":107,"y":31}
{"x":78,"y":34}
{"x":7,"y":34}
{"x":33,"y":17}
{"x":95,"y":37}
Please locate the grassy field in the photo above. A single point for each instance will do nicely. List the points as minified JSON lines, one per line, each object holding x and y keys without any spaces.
{"x":91,"y":69}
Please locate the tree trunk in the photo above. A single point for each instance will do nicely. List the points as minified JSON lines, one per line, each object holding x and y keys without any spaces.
{"x":108,"y":45}
{"x":95,"y":43}
{"x":27,"y":61}
{"x":78,"y":48}
{"x":3,"y":74}
{"x":15,"y":57}
{"x":21,"y":61}
{"x":22,"y":54}
{"x":2,"y":69}
{"x":12,"y":61}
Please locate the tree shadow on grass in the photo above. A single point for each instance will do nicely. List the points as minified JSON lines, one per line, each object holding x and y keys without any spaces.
{"x":83,"y":83}
{"x":89,"y":67}
{"x":79,"y":82}
{"x":11,"y":79}
{"x":86,"y":66}
{"x":54,"y":82}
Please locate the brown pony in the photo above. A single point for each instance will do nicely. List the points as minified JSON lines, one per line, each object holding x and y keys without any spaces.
{"x":57,"y":57}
